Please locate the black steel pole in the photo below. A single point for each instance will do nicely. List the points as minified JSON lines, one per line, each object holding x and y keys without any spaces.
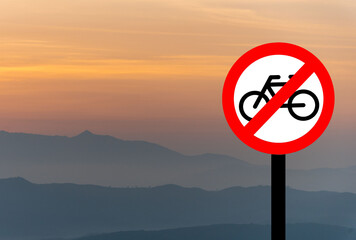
{"x":278,"y":197}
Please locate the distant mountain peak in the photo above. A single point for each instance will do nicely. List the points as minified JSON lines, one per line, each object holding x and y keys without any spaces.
{"x":15,"y":180}
{"x":85,"y":134}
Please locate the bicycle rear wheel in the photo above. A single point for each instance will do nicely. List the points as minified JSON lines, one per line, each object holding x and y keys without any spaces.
{"x":253,"y":95}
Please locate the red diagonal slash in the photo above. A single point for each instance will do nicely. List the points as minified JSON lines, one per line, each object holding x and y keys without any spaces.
{"x":281,"y":97}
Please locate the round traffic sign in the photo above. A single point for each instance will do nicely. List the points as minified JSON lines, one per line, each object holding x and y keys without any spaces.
{"x":278,"y":98}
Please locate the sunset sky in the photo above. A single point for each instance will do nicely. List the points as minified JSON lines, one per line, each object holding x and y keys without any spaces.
{"x":154,"y":70}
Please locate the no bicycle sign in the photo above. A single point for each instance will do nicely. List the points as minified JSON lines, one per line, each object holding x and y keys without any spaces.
{"x":278,"y":98}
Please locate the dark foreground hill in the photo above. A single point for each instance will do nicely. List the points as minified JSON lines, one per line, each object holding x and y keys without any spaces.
{"x":234,"y":232}
{"x":65,"y":210}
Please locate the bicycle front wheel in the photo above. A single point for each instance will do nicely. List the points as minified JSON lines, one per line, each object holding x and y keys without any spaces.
{"x":308,"y":116}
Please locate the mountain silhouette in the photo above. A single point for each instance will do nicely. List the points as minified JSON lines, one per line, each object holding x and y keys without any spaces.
{"x":85,"y":147}
{"x":66,"y":210}
{"x":106,"y":160}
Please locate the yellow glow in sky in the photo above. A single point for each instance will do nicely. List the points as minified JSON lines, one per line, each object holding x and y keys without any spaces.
{"x":150,"y":69}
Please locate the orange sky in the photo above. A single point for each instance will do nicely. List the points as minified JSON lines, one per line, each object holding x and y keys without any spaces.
{"x":154,"y":70}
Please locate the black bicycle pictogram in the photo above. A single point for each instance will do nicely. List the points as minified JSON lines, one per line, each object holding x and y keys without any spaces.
{"x":290,"y":104}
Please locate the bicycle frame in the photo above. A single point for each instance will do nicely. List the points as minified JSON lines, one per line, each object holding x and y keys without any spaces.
{"x":269,"y":87}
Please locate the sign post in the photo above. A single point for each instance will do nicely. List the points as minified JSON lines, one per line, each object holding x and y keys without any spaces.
{"x":278,"y":98}
{"x":278,"y":196}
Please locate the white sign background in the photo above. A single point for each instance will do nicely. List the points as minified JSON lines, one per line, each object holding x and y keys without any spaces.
{"x":281,"y":127}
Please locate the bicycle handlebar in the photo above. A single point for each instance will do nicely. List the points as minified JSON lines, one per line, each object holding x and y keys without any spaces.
{"x":271,"y":77}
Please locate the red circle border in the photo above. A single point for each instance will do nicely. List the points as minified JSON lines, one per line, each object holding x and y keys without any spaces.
{"x":277,"y":49}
